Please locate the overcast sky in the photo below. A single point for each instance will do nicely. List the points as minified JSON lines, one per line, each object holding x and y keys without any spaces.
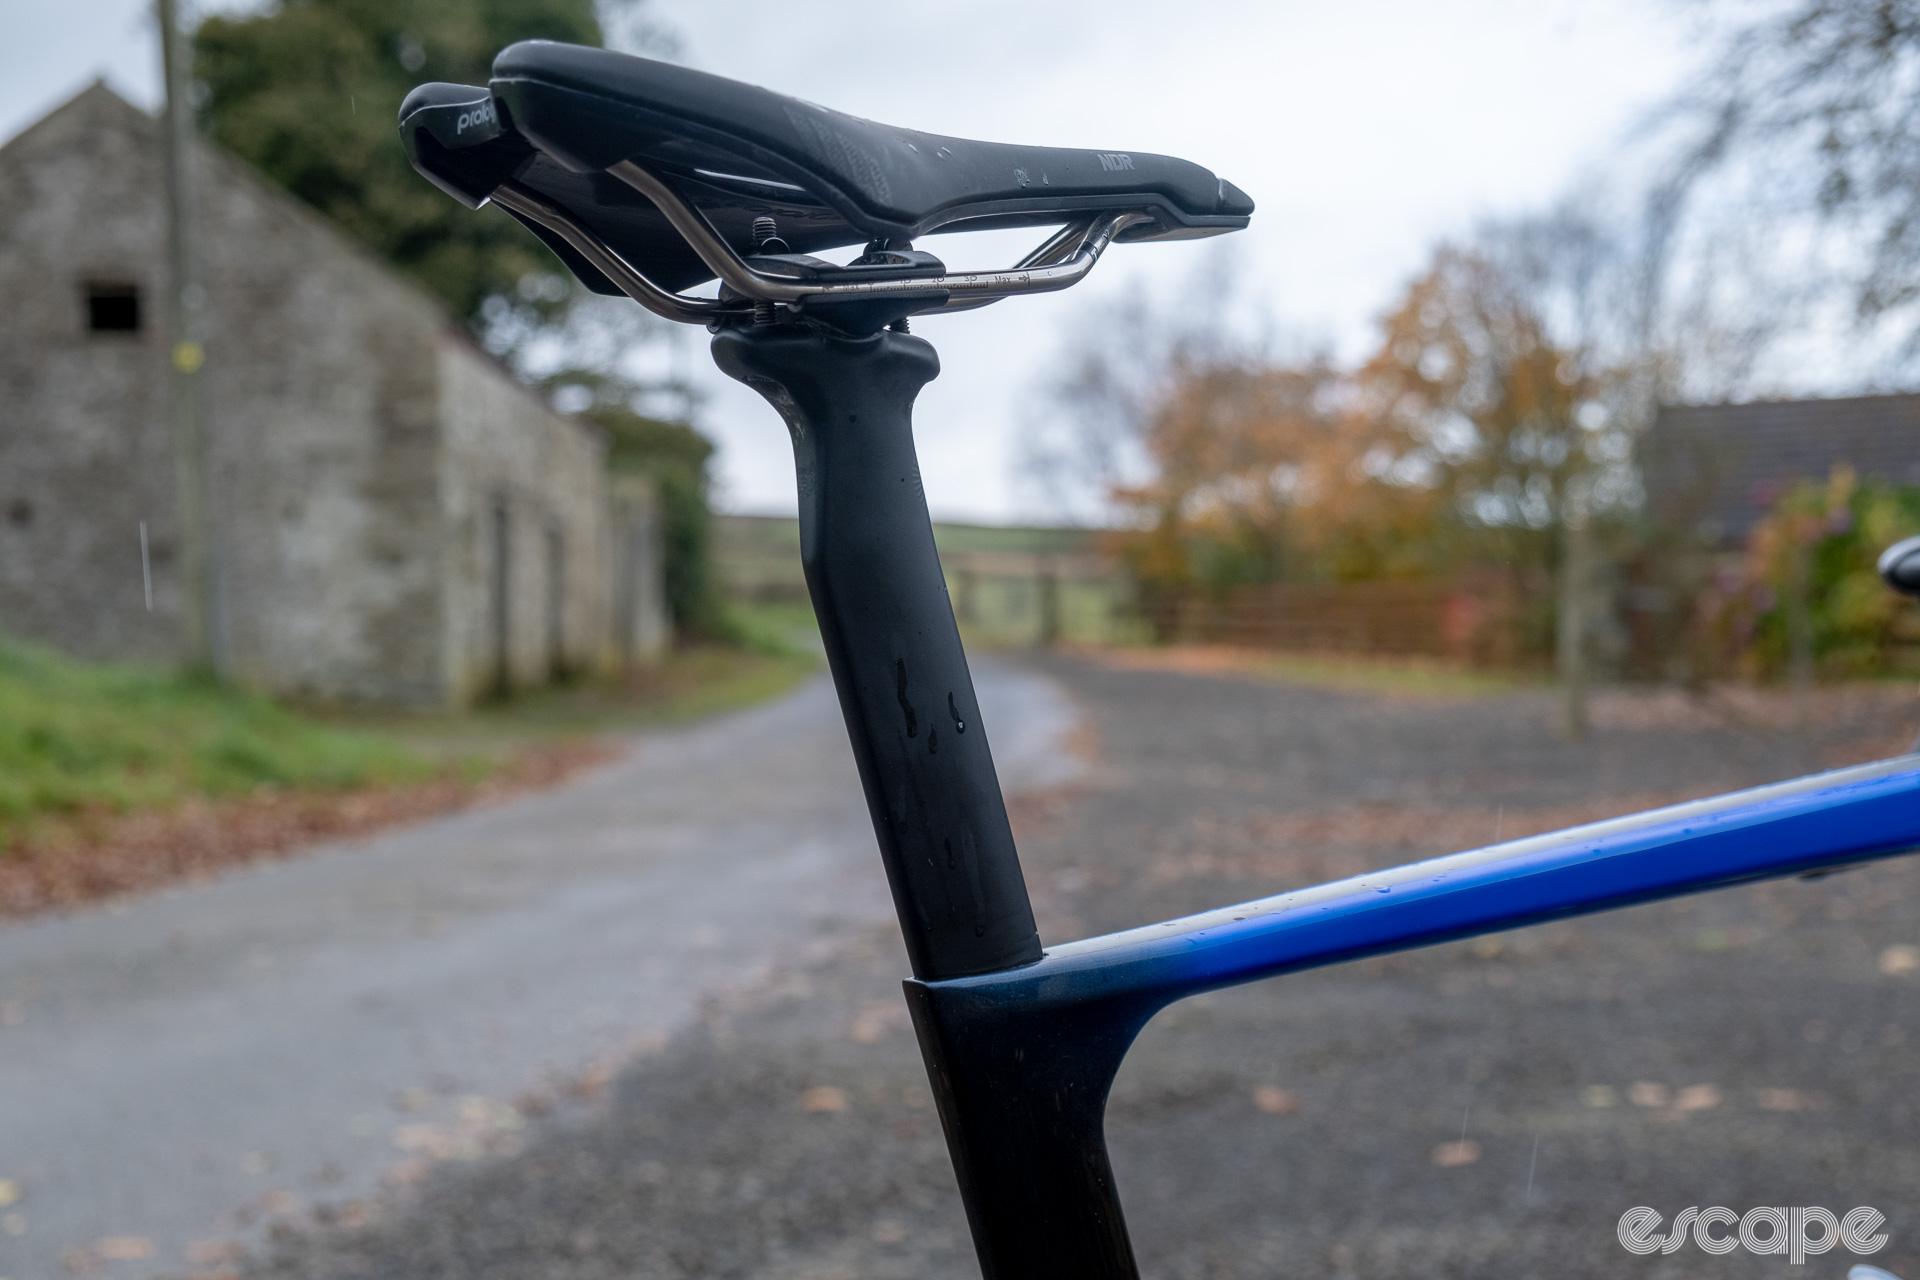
{"x":1363,"y":131}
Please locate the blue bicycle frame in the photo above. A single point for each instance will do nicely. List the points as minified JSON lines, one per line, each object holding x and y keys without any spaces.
{"x":1022,"y":1060}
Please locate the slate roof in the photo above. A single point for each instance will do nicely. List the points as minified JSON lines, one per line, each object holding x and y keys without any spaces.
{"x":1718,"y":468}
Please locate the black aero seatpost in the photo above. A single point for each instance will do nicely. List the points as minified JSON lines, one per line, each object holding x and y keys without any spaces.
{"x":891,"y":642}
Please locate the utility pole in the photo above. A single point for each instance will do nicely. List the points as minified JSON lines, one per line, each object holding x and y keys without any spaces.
{"x":1570,"y":639}
{"x":201,"y":616}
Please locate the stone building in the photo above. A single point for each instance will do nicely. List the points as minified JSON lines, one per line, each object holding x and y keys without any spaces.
{"x":395,"y":519}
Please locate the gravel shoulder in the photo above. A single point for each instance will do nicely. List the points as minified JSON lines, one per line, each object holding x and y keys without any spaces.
{"x":1481,"y":1109}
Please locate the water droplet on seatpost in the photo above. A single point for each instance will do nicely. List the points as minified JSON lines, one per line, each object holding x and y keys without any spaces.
{"x":900,"y":692}
{"x":959,"y":725}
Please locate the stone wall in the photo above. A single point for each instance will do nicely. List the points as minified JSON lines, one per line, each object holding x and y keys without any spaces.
{"x":642,"y":622}
{"x":323,"y":391}
{"x":517,"y":478}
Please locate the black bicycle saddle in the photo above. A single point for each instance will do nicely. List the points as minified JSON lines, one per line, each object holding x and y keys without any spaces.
{"x":557,"y":117}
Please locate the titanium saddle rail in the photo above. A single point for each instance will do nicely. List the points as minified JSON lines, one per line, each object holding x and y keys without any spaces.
{"x":647,"y":179}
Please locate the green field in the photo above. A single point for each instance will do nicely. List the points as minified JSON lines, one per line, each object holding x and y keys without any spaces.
{"x":76,"y":737}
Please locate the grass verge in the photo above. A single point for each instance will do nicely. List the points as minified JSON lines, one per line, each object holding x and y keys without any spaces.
{"x":77,"y":737}
{"x":117,"y":779}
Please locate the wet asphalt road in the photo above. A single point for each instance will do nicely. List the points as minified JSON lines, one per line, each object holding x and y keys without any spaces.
{"x":182,"y":1072}
{"x":1484,"y":1109}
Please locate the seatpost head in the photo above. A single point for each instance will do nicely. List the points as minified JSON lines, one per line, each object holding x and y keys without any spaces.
{"x":1900,"y":566}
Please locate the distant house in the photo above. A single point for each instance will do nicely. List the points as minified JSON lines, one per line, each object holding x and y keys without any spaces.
{"x":396,"y":519}
{"x":1715,"y":470}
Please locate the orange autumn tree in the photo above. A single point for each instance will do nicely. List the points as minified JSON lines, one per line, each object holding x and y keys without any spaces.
{"x":1512,"y":377}
{"x":1496,"y":404}
{"x":1479,"y":402}
{"x":1259,"y":473}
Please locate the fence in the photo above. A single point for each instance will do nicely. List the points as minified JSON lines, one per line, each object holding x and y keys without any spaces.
{"x":1467,"y":623}
{"x":1020,"y":586}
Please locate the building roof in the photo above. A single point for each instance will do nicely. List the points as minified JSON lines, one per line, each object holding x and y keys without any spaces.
{"x":1718,"y":468}
{"x":98,"y":107}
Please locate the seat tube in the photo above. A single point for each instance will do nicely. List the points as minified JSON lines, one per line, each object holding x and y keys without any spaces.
{"x":891,"y":642}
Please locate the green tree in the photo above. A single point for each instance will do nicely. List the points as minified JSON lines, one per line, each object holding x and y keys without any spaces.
{"x":675,"y":456}
{"x":308,"y":91}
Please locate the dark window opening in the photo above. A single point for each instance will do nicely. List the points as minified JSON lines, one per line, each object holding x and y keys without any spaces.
{"x":113,"y":308}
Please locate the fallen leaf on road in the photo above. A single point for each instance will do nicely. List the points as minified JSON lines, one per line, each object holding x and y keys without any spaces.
{"x":648,"y":1042}
{"x":205,"y":1253}
{"x":407,"y":1171}
{"x":123,"y":1248}
{"x":588,"y":1084}
{"x":1648,"y":1094}
{"x":1275,"y":1102}
{"x":873,"y":1021}
{"x":824,"y":1098}
{"x":1899,"y":959}
{"x":1600,"y":1095}
{"x":1698,"y":1097}
{"x":1451,"y":1155}
{"x":1784,"y":1100}
{"x":9,"y":1192}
